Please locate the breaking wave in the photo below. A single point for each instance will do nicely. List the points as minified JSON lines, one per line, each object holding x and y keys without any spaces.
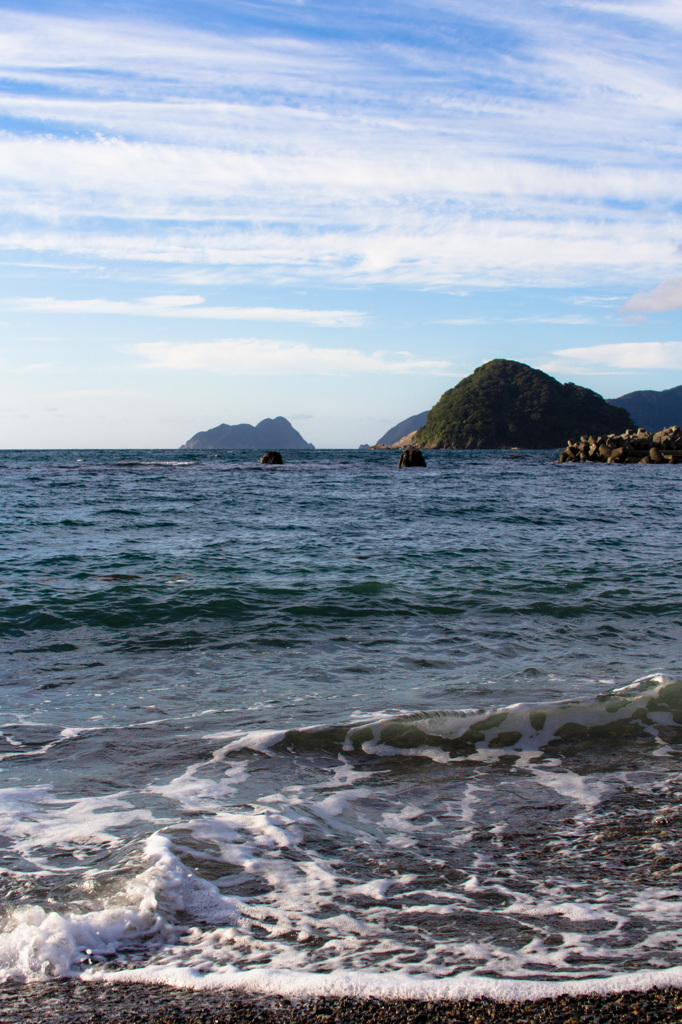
{"x":649,"y":709}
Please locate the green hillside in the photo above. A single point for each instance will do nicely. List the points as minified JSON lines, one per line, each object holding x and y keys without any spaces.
{"x":505,"y":404}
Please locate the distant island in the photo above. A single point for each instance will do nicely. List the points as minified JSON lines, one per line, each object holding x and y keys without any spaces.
{"x":652,"y":410}
{"x":269,"y":433}
{"x":506,"y":404}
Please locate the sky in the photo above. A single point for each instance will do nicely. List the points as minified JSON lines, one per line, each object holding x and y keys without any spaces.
{"x":329,"y":210}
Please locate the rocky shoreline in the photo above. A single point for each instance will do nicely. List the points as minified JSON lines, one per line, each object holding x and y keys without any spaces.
{"x":665,"y":446}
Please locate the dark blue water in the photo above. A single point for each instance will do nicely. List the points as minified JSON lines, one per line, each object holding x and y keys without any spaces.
{"x":233,"y":742}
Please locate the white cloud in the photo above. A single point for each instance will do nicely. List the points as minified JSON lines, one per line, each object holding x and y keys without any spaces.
{"x":595,"y":300}
{"x":646,"y":355}
{"x":341,"y":169}
{"x":187,"y":307}
{"x":666,"y":12}
{"x":404,"y":162}
{"x":96,"y":393}
{"x":665,"y":297}
{"x":468,"y":321}
{"x":246,"y":356}
{"x":400,"y":248}
{"x":570,"y":319}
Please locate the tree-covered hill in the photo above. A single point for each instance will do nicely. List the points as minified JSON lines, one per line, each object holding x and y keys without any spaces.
{"x":505,"y":404}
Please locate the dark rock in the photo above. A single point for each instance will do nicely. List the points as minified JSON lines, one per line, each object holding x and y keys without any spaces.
{"x":412,"y":457}
{"x":271,"y":459}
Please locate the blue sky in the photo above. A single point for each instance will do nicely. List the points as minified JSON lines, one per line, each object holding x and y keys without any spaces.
{"x":332,"y":211}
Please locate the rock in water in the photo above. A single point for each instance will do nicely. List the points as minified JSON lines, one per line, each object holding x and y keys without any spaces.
{"x":271,"y":459}
{"x":505,"y":404}
{"x":412,"y":457}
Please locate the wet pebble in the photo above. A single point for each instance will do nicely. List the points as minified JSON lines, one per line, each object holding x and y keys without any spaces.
{"x":66,"y":1002}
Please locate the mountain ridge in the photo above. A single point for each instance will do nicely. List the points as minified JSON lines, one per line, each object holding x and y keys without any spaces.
{"x":406,"y":426}
{"x":653,"y":410}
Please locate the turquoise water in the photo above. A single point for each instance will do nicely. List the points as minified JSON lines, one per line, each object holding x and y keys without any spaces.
{"x":247,"y":718}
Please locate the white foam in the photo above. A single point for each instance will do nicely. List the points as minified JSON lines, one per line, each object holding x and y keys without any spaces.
{"x":394,"y":985}
{"x":196,"y":793}
{"x":573,"y":911}
{"x":260,"y":741}
{"x":36,"y":944}
{"x":386,"y":750}
{"x":36,"y":820}
{"x":585,"y":790}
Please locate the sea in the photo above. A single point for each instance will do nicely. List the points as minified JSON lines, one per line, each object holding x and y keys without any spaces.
{"x":339,"y":728}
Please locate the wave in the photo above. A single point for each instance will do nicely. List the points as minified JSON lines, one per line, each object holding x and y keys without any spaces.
{"x":323,"y":861}
{"x":649,"y":709}
{"x":137,"y":598}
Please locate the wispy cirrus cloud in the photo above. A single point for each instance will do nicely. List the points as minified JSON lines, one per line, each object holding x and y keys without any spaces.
{"x":255,"y":356}
{"x":189,"y":307}
{"x":663,"y":12}
{"x":596,"y":300}
{"x":401,"y":248}
{"x":532,"y":147}
{"x":569,"y":319}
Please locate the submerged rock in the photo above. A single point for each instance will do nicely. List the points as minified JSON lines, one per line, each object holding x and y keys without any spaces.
{"x":271,"y":459}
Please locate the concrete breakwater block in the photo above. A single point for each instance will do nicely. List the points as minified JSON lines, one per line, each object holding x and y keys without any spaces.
{"x":632,"y":446}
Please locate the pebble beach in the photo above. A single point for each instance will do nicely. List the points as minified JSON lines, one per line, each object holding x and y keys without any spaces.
{"x":66,"y":1002}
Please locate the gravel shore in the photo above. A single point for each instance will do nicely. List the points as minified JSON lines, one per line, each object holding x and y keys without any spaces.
{"x":66,"y":1002}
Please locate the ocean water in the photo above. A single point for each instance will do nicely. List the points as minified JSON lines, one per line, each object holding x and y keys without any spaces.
{"x":335,"y":727}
